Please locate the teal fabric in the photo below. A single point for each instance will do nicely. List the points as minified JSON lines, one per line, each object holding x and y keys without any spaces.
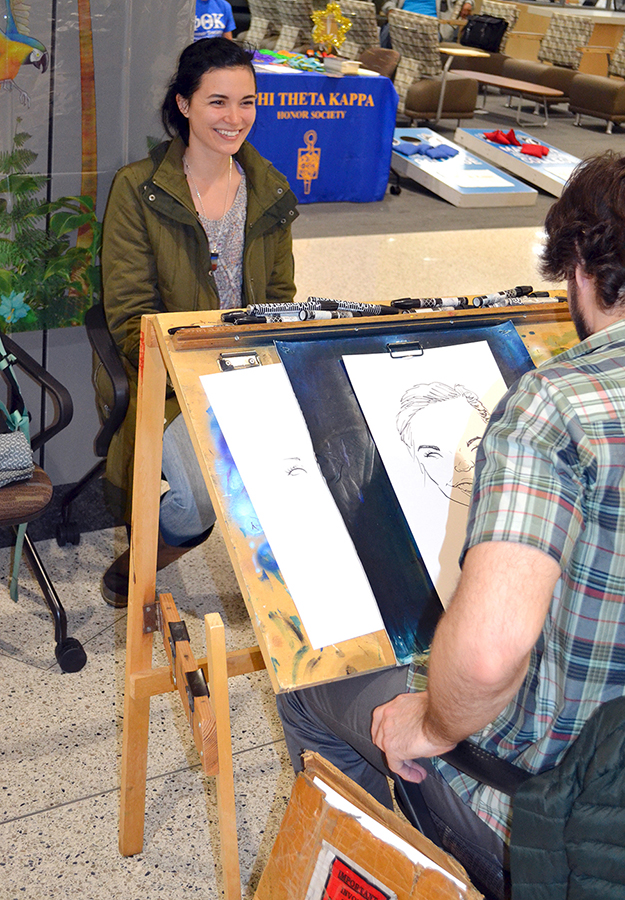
{"x":17,"y":420}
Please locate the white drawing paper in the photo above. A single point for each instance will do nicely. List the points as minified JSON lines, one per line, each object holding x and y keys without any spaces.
{"x":338,"y":801}
{"x":266,"y":433}
{"x":427,"y":415}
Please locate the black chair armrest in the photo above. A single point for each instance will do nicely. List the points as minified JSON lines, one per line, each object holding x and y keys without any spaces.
{"x":106,"y":350}
{"x":60,"y":396}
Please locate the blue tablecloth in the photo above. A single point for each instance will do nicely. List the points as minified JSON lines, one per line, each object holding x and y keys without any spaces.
{"x":331,"y":137}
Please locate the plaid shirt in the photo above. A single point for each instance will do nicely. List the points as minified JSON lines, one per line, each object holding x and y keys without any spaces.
{"x":551,"y":474}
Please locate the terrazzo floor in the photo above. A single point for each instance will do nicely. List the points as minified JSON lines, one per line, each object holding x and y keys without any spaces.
{"x":381,"y":267}
{"x":61,"y":742}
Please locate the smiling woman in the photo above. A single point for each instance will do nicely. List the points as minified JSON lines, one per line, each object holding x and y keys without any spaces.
{"x":204,"y":223}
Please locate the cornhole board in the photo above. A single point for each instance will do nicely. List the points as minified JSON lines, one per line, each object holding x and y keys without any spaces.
{"x":549,"y":173}
{"x":464,"y":180}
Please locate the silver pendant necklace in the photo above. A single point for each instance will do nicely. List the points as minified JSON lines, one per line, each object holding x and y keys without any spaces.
{"x":215,"y":251}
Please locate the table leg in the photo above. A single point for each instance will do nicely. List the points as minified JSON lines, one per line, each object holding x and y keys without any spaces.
{"x":441,"y":96}
{"x":481,"y":110}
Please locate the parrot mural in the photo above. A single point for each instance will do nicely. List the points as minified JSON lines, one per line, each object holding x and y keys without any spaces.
{"x":17,"y":48}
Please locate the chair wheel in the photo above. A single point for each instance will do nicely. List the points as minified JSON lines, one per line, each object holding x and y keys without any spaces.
{"x":70,"y":655}
{"x":67,"y":533}
{"x":395,"y":190}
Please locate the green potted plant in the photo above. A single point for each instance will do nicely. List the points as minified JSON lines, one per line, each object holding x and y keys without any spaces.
{"x":46,"y":280}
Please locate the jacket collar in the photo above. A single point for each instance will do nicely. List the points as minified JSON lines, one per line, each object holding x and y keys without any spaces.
{"x":169,"y":174}
{"x":268,"y":189}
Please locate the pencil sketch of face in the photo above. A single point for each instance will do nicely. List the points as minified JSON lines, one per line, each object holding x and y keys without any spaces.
{"x":442,"y":427}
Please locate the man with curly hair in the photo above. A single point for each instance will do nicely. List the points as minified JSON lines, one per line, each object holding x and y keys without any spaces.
{"x":533,"y":641}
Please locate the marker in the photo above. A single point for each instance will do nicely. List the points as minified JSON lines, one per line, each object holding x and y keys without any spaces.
{"x":365,"y":309}
{"x":529,"y":300}
{"x":309,"y":314}
{"x":250,"y":320}
{"x":430,"y":302}
{"x":305,"y":314}
{"x":177,"y":328}
{"x":492,"y":299}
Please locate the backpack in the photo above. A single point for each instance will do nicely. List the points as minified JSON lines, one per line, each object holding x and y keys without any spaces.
{"x":484,"y":32}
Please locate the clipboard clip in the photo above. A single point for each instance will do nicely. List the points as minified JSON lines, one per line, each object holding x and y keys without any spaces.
{"x":405,"y":348}
{"x":242,"y":359}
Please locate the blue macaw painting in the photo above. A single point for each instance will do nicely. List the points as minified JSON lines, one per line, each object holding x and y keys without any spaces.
{"x":18,"y":48}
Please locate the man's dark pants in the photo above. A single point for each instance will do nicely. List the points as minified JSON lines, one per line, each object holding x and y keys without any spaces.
{"x":334,"y":720}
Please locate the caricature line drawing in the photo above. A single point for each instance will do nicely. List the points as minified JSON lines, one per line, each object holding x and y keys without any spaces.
{"x":424,"y":425}
{"x":293,"y":466}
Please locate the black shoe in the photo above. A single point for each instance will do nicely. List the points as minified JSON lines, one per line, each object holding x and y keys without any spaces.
{"x":114,"y":583}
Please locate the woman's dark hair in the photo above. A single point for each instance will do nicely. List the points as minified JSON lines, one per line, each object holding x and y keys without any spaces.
{"x":586,"y":227}
{"x":195,"y":60}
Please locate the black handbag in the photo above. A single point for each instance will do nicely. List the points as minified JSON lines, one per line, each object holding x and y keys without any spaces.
{"x":484,"y":32}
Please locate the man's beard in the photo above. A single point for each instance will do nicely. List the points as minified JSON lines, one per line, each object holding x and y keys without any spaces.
{"x":581,"y":325}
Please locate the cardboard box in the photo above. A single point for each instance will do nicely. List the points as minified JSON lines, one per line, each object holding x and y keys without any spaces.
{"x":347,"y":860}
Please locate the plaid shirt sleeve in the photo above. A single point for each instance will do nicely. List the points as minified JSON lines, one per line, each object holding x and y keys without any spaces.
{"x":529,"y":480}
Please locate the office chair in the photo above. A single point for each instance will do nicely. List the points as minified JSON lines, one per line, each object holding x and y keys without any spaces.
{"x":25,"y":501}
{"x":568,"y":823}
{"x":419,"y":76}
{"x":364,"y":31}
{"x":264,"y":24}
{"x":295,"y":24}
{"x":111,"y":414}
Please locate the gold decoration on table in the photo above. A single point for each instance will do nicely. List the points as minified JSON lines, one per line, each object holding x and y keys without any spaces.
{"x":330,"y":26}
{"x":308,"y":159}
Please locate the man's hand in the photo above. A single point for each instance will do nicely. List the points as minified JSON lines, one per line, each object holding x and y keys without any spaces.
{"x":479,"y":656}
{"x":397,"y":729}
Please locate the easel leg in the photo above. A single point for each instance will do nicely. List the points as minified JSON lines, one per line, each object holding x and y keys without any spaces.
{"x":142,"y":583}
{"x":218,"y":685}
{"x":134,"y":768}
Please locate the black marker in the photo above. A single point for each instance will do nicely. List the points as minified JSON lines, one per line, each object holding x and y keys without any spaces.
{"x":431,"y":303}
{"x":309,"y":314}
{"x":250,"y":320}
{"x":492,"y":299}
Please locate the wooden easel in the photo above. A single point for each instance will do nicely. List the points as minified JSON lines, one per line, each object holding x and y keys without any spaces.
{"x":284,"y":650}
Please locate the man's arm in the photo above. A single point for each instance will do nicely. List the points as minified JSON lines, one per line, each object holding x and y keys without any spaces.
{"x":479,"y":657}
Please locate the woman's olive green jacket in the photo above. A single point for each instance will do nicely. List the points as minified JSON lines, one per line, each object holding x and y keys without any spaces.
{"x":155,"y":258}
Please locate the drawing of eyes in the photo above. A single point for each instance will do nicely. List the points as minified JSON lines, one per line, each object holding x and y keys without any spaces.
{"x":294,"y":467}
{"x":429,"y":451}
